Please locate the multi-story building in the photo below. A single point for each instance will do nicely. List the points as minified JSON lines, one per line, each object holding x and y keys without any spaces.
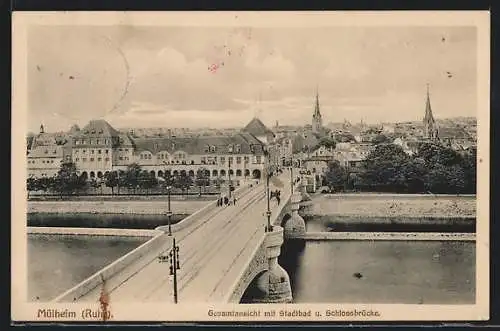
{"x":98,"y":148}
{"x":285,"y":151}
{"x":45,"y":161}
{"x":318,"y":160}
{"x":45,"y":153}
{"x":352,"y":155}
{"x":95,"y":147}
{"x":240,"y":156}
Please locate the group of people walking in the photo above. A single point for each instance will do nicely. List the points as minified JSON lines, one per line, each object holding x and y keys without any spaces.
{"x":226,"y":201}
{"x":276,"y":194}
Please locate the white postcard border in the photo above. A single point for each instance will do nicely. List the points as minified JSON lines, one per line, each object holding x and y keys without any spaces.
{"x":26,"y":311}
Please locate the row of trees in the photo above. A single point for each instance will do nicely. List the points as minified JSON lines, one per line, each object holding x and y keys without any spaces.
{"x":434,"y":168}
{"x":67,"y":181}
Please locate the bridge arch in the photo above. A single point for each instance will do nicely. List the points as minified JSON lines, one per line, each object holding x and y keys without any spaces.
{"x":254,"y":290}
{"x":285,"y":219}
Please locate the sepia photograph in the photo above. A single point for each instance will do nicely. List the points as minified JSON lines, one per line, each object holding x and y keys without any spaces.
{"x":237,"y":166}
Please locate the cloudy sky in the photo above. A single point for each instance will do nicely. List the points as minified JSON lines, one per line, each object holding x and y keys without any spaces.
{"x":222,"y":77}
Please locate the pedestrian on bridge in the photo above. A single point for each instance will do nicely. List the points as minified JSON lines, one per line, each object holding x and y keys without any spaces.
{"x":226,"y":201}
{"x":234,"y":201}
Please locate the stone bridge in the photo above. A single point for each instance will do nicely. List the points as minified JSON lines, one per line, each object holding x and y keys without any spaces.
{"x":223,"y":252}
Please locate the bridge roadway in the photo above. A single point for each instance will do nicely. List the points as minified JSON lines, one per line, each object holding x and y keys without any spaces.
{"x":213,"y":252}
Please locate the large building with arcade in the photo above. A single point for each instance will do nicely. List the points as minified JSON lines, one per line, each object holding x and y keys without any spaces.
{"x":98,"y":148}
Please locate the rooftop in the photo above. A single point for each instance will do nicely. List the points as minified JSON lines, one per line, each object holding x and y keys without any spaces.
{"x":200,"y":145}
{"x":97,"y":129}
{"x":257,"y":128}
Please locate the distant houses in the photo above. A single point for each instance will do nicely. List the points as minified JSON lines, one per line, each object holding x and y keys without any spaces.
{"x":98,"y":148}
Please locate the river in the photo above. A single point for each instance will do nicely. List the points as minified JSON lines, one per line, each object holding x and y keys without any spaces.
{"x":409,"y":272}
{"x":413,"y":272}
{"x":57,"y":263}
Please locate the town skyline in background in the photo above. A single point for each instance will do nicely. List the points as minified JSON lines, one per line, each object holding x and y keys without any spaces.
{"x":193,"y":77}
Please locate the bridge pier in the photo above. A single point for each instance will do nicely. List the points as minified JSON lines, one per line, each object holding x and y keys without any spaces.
{"x":273,"y":285}
{"x":305,"y":202}
{"x":295,"y":226}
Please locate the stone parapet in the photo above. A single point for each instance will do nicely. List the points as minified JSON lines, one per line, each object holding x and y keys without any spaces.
{"x":155,"y":244}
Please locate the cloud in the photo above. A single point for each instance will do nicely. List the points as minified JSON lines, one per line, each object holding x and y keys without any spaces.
{"x":273,"y":66}
{"x":165,"y":73}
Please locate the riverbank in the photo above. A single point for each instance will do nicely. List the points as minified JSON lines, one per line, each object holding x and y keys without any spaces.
{"x":394,"y":205}
{"x":125,"y":197}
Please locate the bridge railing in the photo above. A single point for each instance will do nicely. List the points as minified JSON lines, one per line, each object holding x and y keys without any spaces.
{"x":285,"y":207}
{"x":84,"y":287}
{"x":234,"y":293}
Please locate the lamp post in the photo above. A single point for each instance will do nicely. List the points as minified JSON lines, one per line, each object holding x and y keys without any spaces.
{"x":229,"y":177}
{"x":269,"y":227}
{"x":291,"y":176}
{"x":168,"y":179}
{"x":173,"y":258}
{"x":169,"y":212}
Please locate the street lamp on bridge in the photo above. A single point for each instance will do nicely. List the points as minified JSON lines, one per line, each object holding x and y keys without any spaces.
{"x":269,"y":227}
{"x":169,"y":211}
{"x":173,"y":258}
{"x":229,"y":177}
{"x":168,"y":179}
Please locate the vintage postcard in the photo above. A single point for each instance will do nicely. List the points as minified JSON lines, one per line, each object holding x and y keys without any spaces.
{"x":250,"y":166}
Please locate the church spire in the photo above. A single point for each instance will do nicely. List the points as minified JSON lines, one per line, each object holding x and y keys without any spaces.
{"x":428,"y":109}
{"x":42,"y":130}
{"x":316,"y":120}
{"x":316,"y":106}
{"x":430,"y":129}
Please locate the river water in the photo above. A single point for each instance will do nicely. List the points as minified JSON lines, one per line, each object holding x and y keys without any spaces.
{"x":413,"y":272}
{"x":57,"y":263}
{"x":410,"y":272}
{"x":407,"y":272}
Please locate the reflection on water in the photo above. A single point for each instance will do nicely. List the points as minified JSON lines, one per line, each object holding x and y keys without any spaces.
{"x":390,"y":272}
{"x":57,"y":263}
